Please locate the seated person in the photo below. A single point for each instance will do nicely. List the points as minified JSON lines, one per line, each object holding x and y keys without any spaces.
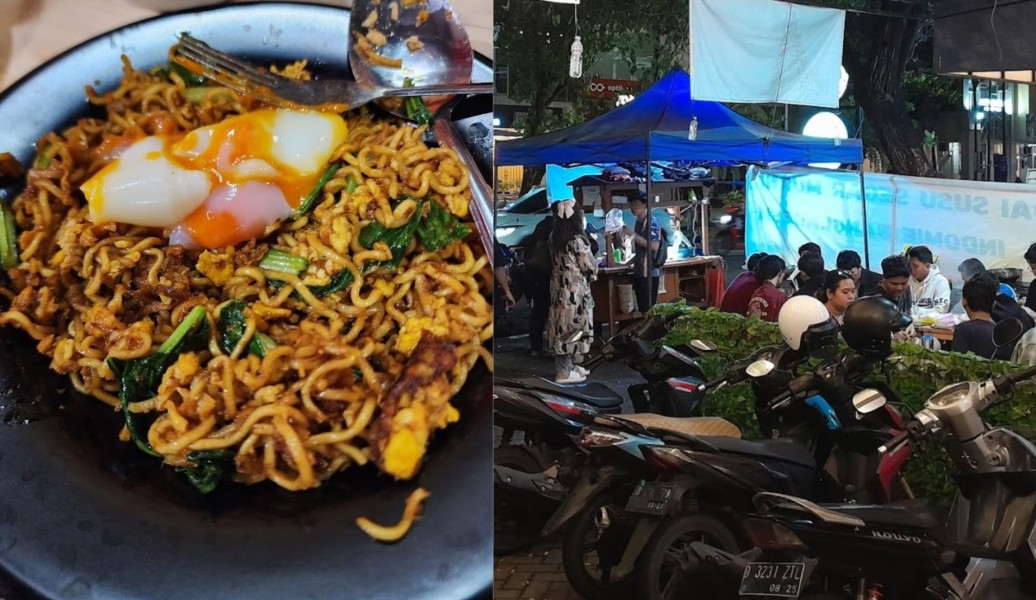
{"x":811,"y":269}
{"x":739,"y":292}
{"x":894,"y":283}
{"x":837,"y":293}
{"x":1030,"y":296}
{"x":766,"y":302}
{"x":974,"y":266}
{"x":1006,"y":303}
{"x":976,"y":334}
{"x":929,"y":289}
{"x":791,"y":283}
{"x":810,"y":247}
{"x":849,"y":260}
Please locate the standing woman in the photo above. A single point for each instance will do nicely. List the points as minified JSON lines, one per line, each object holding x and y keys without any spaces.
{"x":571,"y":305}
{"x":837,"y":292}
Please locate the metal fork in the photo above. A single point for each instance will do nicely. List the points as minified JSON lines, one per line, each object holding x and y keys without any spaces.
{"x":336,"y":95}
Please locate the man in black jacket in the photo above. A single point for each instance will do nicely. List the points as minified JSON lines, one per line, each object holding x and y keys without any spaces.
{"x":849,"y":260}
{"x":894,"y":283}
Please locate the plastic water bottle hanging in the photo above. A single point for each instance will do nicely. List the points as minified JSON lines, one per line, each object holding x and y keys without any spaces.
{"x":692,"y":129}
{"x":575,"y":62}
{"x":575,"y":59}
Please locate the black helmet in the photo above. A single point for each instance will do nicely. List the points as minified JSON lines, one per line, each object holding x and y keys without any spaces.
{"x":869,"y":323}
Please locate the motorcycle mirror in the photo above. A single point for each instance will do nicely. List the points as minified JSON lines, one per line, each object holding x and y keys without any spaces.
{"x":1007,"y":332}
{"x":759,"y":368}
{"x":703,"y":346}
{"x":868,"y":401}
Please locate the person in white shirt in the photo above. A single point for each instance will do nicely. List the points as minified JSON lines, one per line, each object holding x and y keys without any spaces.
{"x":929,"y":289}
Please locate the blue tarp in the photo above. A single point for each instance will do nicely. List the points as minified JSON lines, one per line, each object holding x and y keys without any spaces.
{"x":654,"y":126}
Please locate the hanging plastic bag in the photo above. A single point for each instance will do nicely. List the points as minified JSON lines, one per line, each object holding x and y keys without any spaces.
{"x":613,"y":221}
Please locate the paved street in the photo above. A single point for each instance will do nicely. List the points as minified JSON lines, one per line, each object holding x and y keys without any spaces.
{"x":533,"y":575}
{"x":537,"y":574}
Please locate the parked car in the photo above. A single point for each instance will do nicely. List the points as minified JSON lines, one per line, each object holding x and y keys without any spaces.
{"x":518,"y":219}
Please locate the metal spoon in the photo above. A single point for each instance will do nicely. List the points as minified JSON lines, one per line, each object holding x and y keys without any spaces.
{"x":445,"y":57}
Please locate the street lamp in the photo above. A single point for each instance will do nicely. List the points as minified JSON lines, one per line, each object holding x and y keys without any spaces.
{"x":826,"y":124}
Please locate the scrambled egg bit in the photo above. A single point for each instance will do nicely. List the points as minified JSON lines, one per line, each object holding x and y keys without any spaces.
{"x":411,"y":331}
{"x":416,"y":405}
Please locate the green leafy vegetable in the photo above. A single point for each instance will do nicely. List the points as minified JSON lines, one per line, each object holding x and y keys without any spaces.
{"x":397,"y":238}
{"x":283,"y":262}
{"x":311,"y":199}
{"x":339,"y":281}
{"x":139,"y":378}
{"x":42,"y":158}
{"x":8,"y":238}
{"x":189,"y":78}
{"x":416,"y":109}
{"x":351,"y":185}
{"x":210,"y":466}
{"x":231,"y":326}
{"x":439,"y":228}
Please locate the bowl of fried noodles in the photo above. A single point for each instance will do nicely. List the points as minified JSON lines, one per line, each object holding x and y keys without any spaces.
{"x":237,"y":342}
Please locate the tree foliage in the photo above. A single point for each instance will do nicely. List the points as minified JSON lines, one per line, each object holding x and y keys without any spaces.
{"x":888,"y":60}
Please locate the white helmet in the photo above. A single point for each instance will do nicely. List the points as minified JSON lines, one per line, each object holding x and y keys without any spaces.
{"x":797,"y":316}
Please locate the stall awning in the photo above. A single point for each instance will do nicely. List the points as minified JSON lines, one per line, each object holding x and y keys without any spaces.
{"x":654,"y":126}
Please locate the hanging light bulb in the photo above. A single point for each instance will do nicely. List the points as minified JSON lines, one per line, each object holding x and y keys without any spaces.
{"x":575,"y":61}
{"x":692,"y":129}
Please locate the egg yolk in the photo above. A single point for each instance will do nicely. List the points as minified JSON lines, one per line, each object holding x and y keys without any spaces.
{"x":259,"y":166}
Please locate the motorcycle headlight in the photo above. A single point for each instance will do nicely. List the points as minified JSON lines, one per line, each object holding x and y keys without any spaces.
{"x":599,"y":438}
{"x":725,"y":219}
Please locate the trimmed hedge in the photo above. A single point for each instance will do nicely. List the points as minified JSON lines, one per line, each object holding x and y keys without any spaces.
{"x":912,"y":371}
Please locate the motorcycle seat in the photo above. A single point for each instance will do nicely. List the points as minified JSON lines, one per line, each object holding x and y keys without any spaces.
{"x":913,"y":514}
{"x":596,"y":394}
{"x":697,"y":426}
{"x":785,"y":450}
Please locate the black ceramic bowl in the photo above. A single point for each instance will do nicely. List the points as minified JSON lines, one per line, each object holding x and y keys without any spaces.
{"x":85,"y":516}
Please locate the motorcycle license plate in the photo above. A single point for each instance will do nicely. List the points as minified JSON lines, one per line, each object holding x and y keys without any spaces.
{"x":651,"y":498}
{"x":781,"y":580}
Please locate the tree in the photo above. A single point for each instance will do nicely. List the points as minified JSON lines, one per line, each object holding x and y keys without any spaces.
{"x":657,"y":29}
{"x":877,"y":52}
{"x":534,"y":42}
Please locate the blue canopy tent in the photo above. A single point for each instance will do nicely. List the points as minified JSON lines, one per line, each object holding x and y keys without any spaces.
{"x":653,"y":126}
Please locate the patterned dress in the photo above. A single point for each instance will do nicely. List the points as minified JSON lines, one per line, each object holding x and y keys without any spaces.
{"x":571,"y":305}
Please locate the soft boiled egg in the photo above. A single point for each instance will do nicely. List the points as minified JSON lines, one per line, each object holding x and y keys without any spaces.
{"x":218,"y":185}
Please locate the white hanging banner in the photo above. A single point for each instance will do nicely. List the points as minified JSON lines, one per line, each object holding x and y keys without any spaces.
{"x":765,"y":51}
{"x":957,"y":220}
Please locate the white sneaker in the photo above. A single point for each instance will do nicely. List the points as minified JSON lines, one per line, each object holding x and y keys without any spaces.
{"x":572,"y":377}
{"x":581,"y":370}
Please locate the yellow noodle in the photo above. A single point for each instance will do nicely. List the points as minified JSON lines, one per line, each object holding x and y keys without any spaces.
{"x":317,"y":402}
{"x":394,"y":533}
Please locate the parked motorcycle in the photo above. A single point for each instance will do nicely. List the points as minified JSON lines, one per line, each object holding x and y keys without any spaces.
{"x":815,"y":419}
{"x":540,"y":419}
{"x":597,"y":536}
{"x":597,"y":529}
{"x":984,"y":548}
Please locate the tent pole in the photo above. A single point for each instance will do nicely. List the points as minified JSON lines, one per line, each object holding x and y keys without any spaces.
{"x":652,"y":290}
{"x":863,"y":197}
{"x":866,"y":235}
